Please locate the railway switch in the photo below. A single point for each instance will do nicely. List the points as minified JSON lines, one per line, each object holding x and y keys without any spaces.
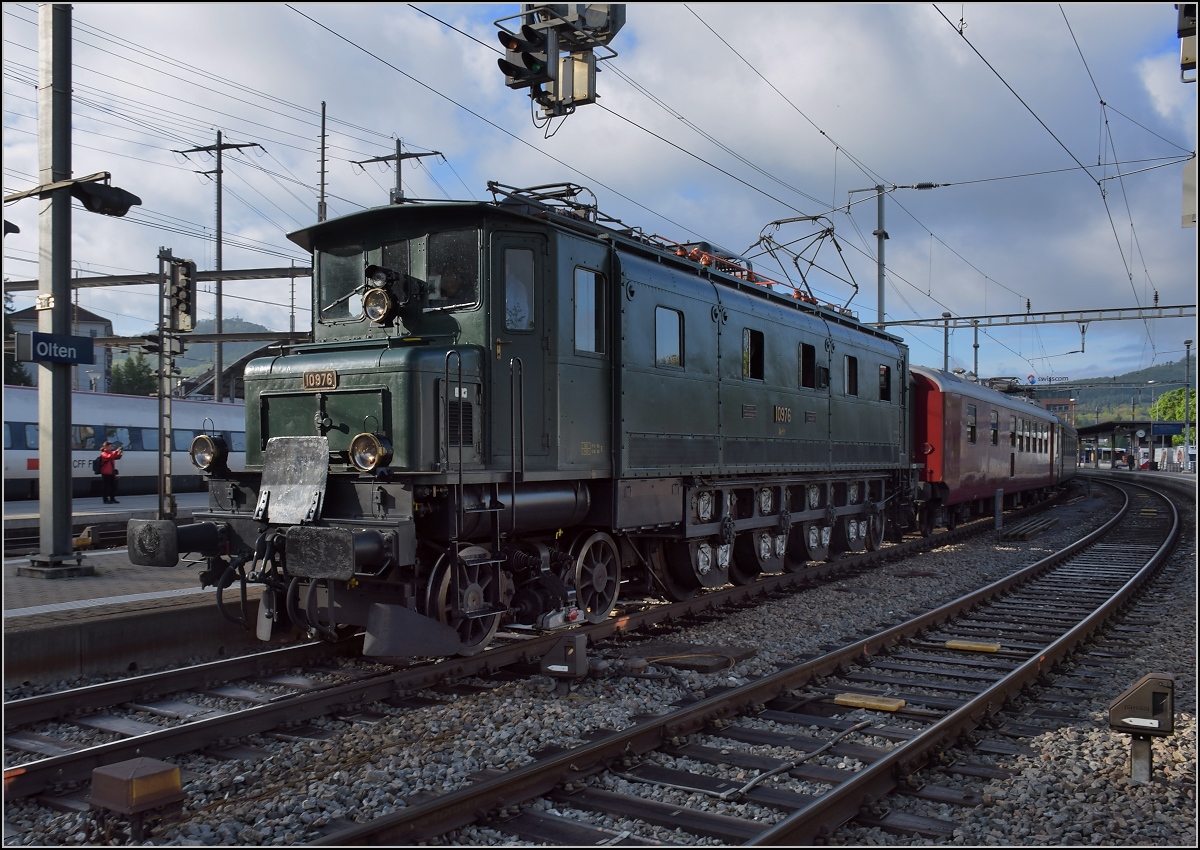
{"x":1146,"y":709}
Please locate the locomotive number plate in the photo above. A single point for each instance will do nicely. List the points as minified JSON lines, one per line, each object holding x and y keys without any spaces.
{"x":326,"y":379}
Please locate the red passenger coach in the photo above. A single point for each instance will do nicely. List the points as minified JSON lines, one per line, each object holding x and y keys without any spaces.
{"x":975,"y":441}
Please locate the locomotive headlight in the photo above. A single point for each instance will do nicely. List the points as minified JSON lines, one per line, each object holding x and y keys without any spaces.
{"x":368,"y":451}
{"x":766,"y":500}
{"x":208,"y":452}
{"x":378,"y":305}
{"x":704,"y":506}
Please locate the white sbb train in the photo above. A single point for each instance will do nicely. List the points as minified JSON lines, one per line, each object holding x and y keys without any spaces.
{"x":132,"y":422}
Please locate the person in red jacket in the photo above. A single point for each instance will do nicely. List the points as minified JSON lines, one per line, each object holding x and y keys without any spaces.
{"x":109,"y":454}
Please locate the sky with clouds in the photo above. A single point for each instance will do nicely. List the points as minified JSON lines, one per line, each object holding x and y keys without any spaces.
{"x":1056,"y":134}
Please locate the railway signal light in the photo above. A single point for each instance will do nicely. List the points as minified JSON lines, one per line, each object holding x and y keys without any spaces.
{"x":183,"y":296}
{"x":103,"y":199}
{"x":530,"y":59}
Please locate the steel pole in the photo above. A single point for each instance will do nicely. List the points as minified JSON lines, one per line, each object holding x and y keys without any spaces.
{"x":881,"y":238}
{"x":946,"y":344}
{"x":218,"y":365}
{"x":54,"y":283}
{"x":1187,"y":407}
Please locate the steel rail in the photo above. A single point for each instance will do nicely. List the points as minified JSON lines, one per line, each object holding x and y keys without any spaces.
{"x":43,"y":707}
{"x":819,"y":818}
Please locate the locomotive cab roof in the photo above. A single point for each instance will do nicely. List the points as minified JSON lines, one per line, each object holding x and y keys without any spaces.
{"x":555,"y":205}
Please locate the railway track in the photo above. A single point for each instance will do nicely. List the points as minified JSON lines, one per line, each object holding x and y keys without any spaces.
{"x":919,"y":686}
{"x":286,"y":701}
{"x":166,"y":714}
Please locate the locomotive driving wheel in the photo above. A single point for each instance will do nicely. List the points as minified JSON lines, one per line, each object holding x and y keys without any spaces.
{"x":597,"y":575}
{"x":876,"y":528}
{"x":677,"y":577}
{"x":816,"y":539}
{"x":474,"y":581}
{"x":745,"y":566}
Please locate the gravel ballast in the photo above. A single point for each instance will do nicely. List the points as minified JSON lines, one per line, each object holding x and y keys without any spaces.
{"x":1072,"y":789}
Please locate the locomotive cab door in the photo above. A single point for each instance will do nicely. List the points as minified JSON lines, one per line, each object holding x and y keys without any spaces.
{"x":518,"y":350}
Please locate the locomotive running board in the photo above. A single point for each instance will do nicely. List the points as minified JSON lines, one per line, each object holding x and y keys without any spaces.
{"x":395,"y":630}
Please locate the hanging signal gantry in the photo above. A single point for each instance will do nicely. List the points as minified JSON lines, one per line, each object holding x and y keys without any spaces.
{"x":553,"y":53}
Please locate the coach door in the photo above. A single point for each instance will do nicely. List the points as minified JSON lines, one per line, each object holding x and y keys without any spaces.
{"x":518,"y":349}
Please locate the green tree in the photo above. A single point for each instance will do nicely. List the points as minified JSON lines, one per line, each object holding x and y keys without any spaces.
{"x":1169,"y":408}
{"x":14,"y":372}
{"x":133,"y":376}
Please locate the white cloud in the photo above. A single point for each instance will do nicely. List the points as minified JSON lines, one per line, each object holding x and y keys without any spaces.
{"x":893,"y":88}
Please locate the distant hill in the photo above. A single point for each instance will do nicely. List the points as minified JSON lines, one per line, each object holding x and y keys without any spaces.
{"x":199,"y":357}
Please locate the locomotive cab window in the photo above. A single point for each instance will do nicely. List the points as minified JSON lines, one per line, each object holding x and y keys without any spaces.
{"x":452,"y":269}
{"x":885,"y":382}
{"x":518,"y":289}
{"x":339,"y":277}
{"x":752,"y":354}
{"x":851,"y":377}
{"x":668,"y":337}
{"x":971,"y":423}
{"x":1012,"y":431}
{"x":995,"y":426}
{"x":589,"y":311}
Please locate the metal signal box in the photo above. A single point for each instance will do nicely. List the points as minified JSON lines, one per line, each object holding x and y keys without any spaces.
{"x":1147,"y":707}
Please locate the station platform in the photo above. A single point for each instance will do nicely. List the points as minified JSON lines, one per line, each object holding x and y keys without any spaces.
{"x":122,"y":617}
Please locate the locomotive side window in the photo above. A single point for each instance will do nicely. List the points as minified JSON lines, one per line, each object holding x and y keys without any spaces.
{"x":589,"y":311}
{"x":518,"y":289}
{"x":150,"y":439}
{"x":752,"y":354}
{"x":808,"y":366}
{"x":851,"y":380}
{"x":339,"y":276}
{"x":668,"y":337}
{"x":995,"y":425}
{"x":971,"y":423}
{"x":452,"y":263}
{"x":885,"y":383}
{"x":1012,"y":431}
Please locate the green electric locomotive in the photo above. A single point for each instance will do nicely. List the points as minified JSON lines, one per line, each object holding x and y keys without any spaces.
{"x":518,"y":411}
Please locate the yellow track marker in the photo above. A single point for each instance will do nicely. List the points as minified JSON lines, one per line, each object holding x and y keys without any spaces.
{"x":972,"y":646}
{"x":873,"y":702}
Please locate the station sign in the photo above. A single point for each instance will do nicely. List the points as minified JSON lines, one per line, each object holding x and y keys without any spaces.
{"x":54,"y":348}
{"x":1165,"y":429}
